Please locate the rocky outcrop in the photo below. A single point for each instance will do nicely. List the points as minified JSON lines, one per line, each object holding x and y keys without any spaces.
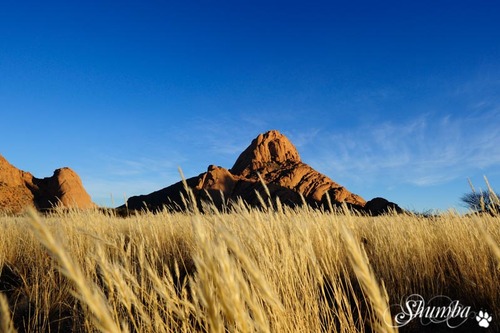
{"x":276,"y":159}
{"x":270,"y":157}
{"x":266,"y":153}
{"x":64,"y":188}
{"x":20,"y":189}
{"x":379,"y":206}
{"x":14,"y":192}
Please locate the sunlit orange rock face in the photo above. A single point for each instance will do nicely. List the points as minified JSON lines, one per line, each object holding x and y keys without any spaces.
{"x":15,"y":195}
{"x":277,"y":160}
{"x":266,"y":153}
{"x":272,"y":156}
{"x":20,"y":189}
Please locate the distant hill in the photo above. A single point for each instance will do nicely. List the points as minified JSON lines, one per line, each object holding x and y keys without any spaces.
{"x":272,"y":156}
{"x":20,"y":189}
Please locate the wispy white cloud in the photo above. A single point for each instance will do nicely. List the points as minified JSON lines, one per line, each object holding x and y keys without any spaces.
{"x":423,"y":151}
{"x":224,"y":138}
{"x":107,"y":192}
{"x":117,"y":177}
{"x":302,"y":138}
{"x":138,"y":165}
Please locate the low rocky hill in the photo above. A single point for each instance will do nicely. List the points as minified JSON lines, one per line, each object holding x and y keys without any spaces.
{"x":20,"y":189}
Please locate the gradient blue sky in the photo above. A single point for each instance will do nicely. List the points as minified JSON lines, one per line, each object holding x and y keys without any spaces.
{"x":397,"y":99}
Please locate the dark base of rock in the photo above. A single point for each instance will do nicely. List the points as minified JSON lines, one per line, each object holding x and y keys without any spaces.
{"x":379,"y":206}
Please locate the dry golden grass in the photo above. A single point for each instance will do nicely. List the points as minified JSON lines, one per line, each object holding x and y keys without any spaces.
{"x":6,"y":325}
{"x":285,"y":270}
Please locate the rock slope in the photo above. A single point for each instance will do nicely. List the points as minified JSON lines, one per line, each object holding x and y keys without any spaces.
{"x":20,"y":189}
{"x":272,"y":156}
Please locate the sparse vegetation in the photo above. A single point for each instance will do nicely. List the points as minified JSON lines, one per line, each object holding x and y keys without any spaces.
{"x":482,"y":201}
{"x":247,"y":270}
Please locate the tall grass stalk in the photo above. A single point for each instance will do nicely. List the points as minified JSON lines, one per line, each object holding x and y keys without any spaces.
{"x":6,"y":324}
{"x":377,"y":295}
{"x":85,"y":292}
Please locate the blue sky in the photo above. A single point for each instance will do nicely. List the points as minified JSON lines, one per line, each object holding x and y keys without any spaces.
{"x":396,"y":99}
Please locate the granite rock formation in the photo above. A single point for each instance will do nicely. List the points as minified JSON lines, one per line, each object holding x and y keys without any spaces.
{"x":20,"y":189}
{"x":272,"y":158}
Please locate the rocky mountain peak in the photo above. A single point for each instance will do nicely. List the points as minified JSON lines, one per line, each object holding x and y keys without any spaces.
{"x":283,"y":174}
{"x":268,"y":149}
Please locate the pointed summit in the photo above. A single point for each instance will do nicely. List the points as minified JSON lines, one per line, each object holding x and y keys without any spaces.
{"x":269,"y":149}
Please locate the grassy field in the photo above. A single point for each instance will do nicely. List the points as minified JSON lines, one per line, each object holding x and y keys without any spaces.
{"x":247,"y":270}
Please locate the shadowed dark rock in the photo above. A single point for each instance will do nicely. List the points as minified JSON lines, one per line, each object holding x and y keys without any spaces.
{"x":169,"y":196}
{"x":379,"y":206}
